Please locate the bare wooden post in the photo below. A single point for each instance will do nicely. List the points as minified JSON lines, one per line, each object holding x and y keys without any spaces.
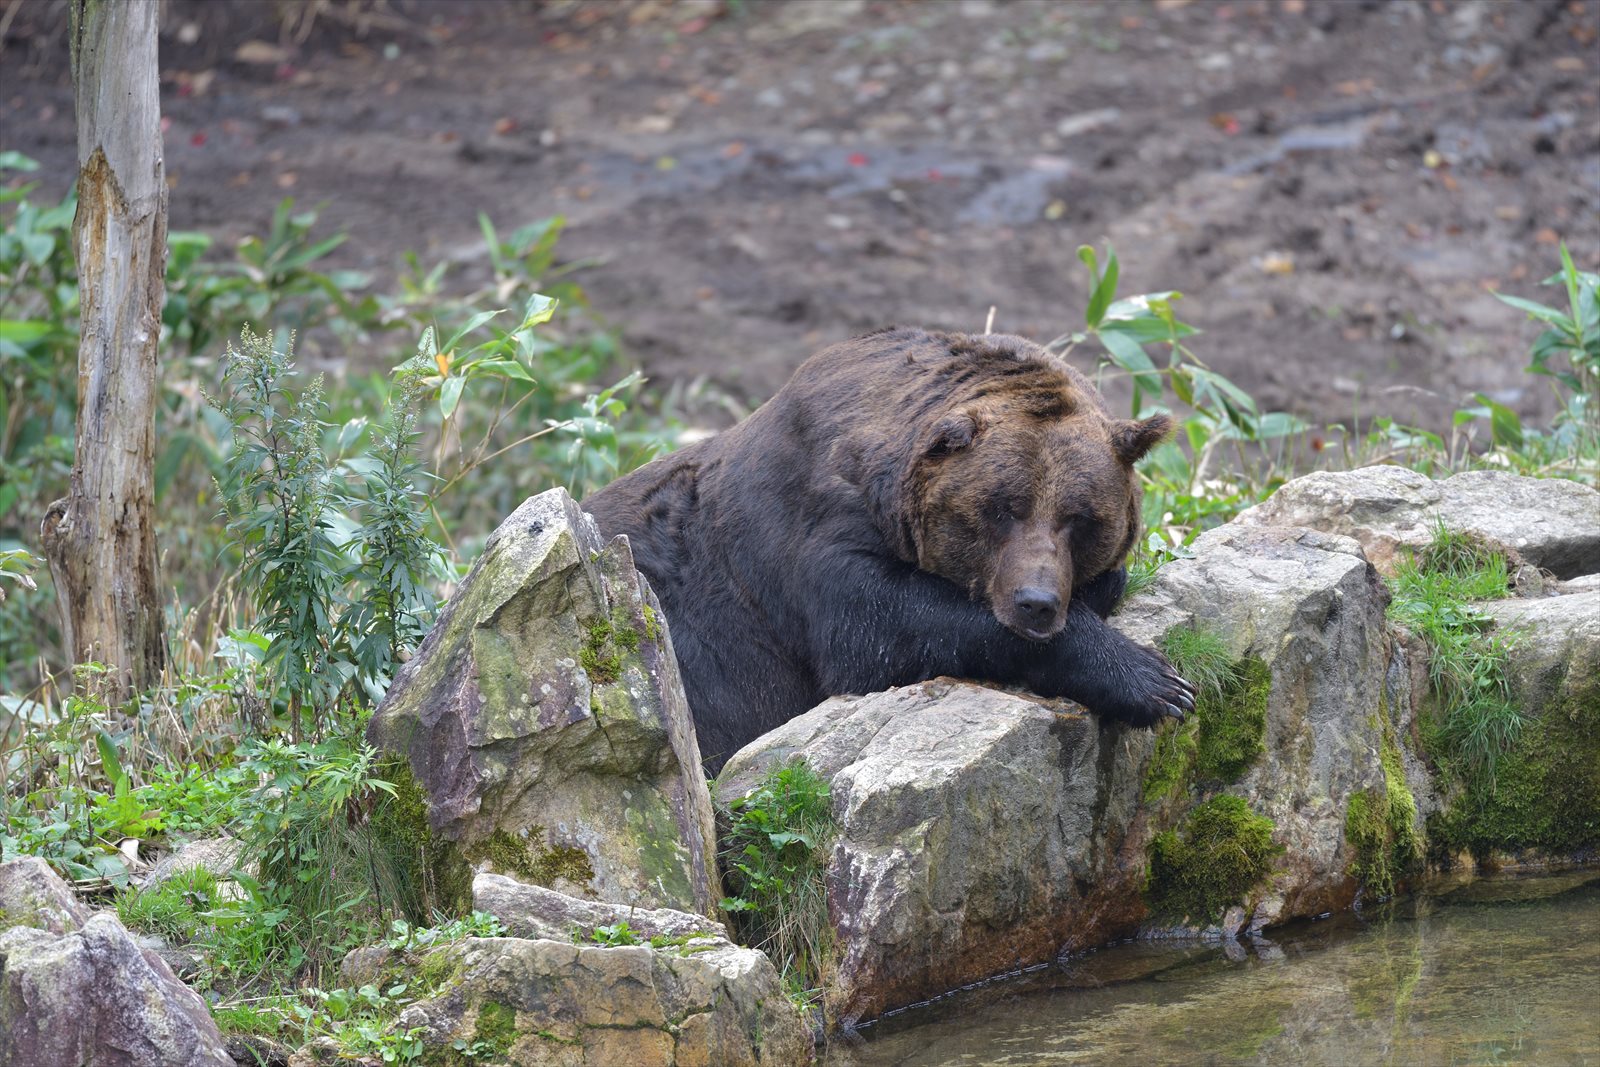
{"x":100,"y":540}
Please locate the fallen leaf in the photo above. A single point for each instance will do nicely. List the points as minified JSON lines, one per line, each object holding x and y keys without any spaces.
{"x":505,"y":126}
{"x":1509,"y":212}
{"x":1055,"y":209}
{"x":242,"y":178}
{"x":1571,"y":63}
{"x":1547,"y":236}
{"x":856,"y":159}
{"x":1356,"y":87}
{"x":1294,"y":7}
{"x":1277,"y":263}
{"x":260,"y":52}
{"x":1449,"y":182}
{"x":733,"y":150}
{"x":287,"y":179}
{"x":1171,"y":5}
{"x":666,"y":163}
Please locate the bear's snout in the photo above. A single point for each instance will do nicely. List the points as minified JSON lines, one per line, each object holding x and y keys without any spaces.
{"x":1038,"y":610}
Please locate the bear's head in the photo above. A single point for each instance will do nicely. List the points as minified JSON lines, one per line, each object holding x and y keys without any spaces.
{"x":1019,"y":496}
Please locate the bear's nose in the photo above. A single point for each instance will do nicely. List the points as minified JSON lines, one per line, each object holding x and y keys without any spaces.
{"x":1038,"y":606}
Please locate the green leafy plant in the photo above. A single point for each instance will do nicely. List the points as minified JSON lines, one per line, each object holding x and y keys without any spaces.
{"x":1568,"y":351}
{"x":775,"y":853}
{"x":618,"y":933}
{"x":281,"y":498}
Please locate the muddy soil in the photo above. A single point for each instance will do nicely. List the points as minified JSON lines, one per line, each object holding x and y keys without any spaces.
{"x":1335,"y":185}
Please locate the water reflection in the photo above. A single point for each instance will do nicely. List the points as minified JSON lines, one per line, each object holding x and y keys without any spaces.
{"x":1494,"y":971}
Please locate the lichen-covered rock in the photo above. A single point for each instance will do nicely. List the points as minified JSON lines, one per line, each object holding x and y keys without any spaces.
{"x":545,"y":724}
{"x":75,"y":988}
{"x":1548,"y":522}
{"x":698,"y":1001}
{"x":31,"y":894}
{"x":532,"y":911}
{"x":981,"y":831}
{"x":1543,"y":801}
{"x":218,"y":855}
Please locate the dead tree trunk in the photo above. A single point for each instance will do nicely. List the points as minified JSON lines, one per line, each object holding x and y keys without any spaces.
{"x":100,"y":540}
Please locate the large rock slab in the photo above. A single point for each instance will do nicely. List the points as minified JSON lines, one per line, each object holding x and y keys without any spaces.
{"x":1549,"y":522}
{"x":684,"y":994}
{"x":706,"y":1003}
{"x":75,"y":988}
{"x":981,"y":831}
{"x":531,"y":911}
{"x":544,"y":719}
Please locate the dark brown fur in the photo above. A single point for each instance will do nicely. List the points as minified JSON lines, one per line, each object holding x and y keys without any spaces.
{"x":909,"y":504}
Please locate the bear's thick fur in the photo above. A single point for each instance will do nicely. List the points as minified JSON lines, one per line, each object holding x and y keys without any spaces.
{"x":911,"y":504}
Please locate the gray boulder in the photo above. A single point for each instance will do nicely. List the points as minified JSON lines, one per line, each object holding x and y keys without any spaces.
{"x":681,"y":993}
{"x":218,"y":855}
{"x":544,"y":722}
{"x":981,"y":831}
{"x":536,"y":1002}
{"x":1549,"y":522}
{"x":75,"y":988}
{"x":1542,"y":803}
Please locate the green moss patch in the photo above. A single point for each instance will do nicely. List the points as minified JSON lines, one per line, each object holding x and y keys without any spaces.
{"x":604,"y":643}
{"x":1545,"y":793}
{"x":1382,"y":827}
{"x":1219,"y":854}
{"x":531,"y":860}
{"x":1226,"y":734}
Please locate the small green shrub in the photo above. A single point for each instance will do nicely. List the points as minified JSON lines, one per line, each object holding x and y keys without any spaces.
{"x":1475,"y":720}
{"x":775,"y":854}
{"x":1219,"y":854}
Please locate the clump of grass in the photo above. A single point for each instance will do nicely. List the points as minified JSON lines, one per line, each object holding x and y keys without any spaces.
{"x":1476,"y":721}
{"x":775,"y":853}
{"x":1201,"y":656}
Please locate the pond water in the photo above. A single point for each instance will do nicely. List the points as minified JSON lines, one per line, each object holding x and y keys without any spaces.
{"x":1500,"y":970}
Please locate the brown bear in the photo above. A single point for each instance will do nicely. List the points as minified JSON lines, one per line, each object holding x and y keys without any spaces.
{"x":911,"y":504}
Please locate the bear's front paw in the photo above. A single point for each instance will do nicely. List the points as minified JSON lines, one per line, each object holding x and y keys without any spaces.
{"x":1150,"y":690}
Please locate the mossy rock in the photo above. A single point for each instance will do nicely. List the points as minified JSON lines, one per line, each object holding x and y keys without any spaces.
{"x":1382,"y":826}
{"x":1544,"y":795}
{"x":1209,"y":863}
{"x":1223,"y":738}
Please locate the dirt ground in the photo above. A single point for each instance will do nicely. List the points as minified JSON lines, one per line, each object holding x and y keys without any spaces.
{"x":1335,"y":185}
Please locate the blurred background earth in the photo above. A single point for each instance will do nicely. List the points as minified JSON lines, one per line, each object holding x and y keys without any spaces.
{"x":1335,"y":185}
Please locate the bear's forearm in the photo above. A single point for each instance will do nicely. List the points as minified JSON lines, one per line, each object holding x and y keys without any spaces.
{"x":903,"y":625}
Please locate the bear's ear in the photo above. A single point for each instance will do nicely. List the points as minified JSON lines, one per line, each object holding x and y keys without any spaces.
{"x":1132,"y":439}
{"x":951,"y":435}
